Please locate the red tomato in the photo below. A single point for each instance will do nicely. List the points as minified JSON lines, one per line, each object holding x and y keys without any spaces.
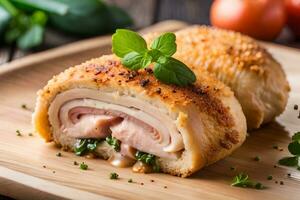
{"x":293,"y":15}
{"x":261,"y":19}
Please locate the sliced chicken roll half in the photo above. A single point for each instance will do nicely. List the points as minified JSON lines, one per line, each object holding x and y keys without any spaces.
{"x":132,"y":119}
{"x":256,"y":78}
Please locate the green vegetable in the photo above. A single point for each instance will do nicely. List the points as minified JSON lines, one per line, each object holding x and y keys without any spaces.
{"x":270,"y":177}
{"x":289,"y":161}
{"x":114,"y":142}
{"x":132,"y":48}
{"x":49,"y":6}
{"x":5,"y":17}
{"x":90,"y":17}
{"x":294,"y":149}
{"x":113,"y":175}
{"x":83,"y":166}
{"x":242,"y":180}
{"x":257,"y":158}
{"x":9,"y":7}
{"x":148,"y":159}
{"x":82,"y":146}
{"x":296,"y":137}
{"x":18,"y":133}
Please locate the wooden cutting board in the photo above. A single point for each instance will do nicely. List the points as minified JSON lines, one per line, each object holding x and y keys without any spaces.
{"x":30,"y":169}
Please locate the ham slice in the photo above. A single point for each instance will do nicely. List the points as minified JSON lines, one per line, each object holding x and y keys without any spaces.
{"x":95,"y":118}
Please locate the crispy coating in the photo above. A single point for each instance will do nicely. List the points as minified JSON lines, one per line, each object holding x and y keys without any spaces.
{"x":256,"y":78}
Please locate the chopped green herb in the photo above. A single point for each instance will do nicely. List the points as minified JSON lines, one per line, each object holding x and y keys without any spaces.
{"x":242,"y":180}
{"x":113,"y":175}
{"x":84,"y":146}
{"x":270,"y":177}
{"x":114,"y":142}
{"x":257,"y":158}
{"x":58,"y":154}
{"x":132,"y":48}
{"x":130,"y":180}
{"x":83,"y":166}
{"x":289,"y":161}
{"x":75,"y":163}
{"x":148,"y":159}
{"x":294,"y":149}
{"x":18,"y":133}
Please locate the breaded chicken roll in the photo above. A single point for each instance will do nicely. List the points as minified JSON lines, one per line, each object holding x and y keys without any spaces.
{"x":132,"y":119}
{"x":257,"y":79}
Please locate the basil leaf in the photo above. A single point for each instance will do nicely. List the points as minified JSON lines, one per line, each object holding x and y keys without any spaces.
{"x":294,"y":148}
{"x":174,"y":72}
{"x":31,"y":38}
{"x":54,"y":7}
{"x":289,"y":161}
{"x":125,"y":42}
{"x":165,"y":44}
{"x":296,"y":137}
{"x":136,"y":61}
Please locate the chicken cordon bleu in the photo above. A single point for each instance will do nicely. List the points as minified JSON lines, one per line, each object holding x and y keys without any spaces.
{"x":136,"y":120}
{"x":256,"y":78}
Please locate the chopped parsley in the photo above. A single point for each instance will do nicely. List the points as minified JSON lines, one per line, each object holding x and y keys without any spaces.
{"x":83,"y":166}
{"x":18,"y":133}
{"x":113,"y":175}
{"x":75,"y":163}
{"x":270,"y":177}
{"x":130,"y":180}
{"x":58,"y":154}
{"x":84,"y":146}
{"x":148,"y":159}
{"x":114,"y":142}
{"x":242,"y":180}
{"x":257,"y":158}
{"x":294,"y":149}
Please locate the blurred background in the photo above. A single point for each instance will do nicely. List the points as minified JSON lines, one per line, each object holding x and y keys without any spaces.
{"x":28,"y":26}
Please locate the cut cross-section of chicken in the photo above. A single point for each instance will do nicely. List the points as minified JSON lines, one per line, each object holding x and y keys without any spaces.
{"x":256,"y":78}
{"x":181,"y":129}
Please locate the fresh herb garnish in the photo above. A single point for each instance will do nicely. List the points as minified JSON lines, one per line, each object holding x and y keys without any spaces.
{"x":114,"y":142}
{"x":257,"y":158}
{"x":130,"y":180}
{"x":113,"y":175}
{"x":132,"y":48}
{"x":242,"y":180}
{"x":294,"y":149}
{"x":83,"y":166}
{"x":270,"y":177}
{"x":148,"y":159}
{"x":18,"y":133}
{"x":58,"y":154}
{"x":83,"y":146}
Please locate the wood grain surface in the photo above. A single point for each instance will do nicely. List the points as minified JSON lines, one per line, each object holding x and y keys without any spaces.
{"x":30,"y":169}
